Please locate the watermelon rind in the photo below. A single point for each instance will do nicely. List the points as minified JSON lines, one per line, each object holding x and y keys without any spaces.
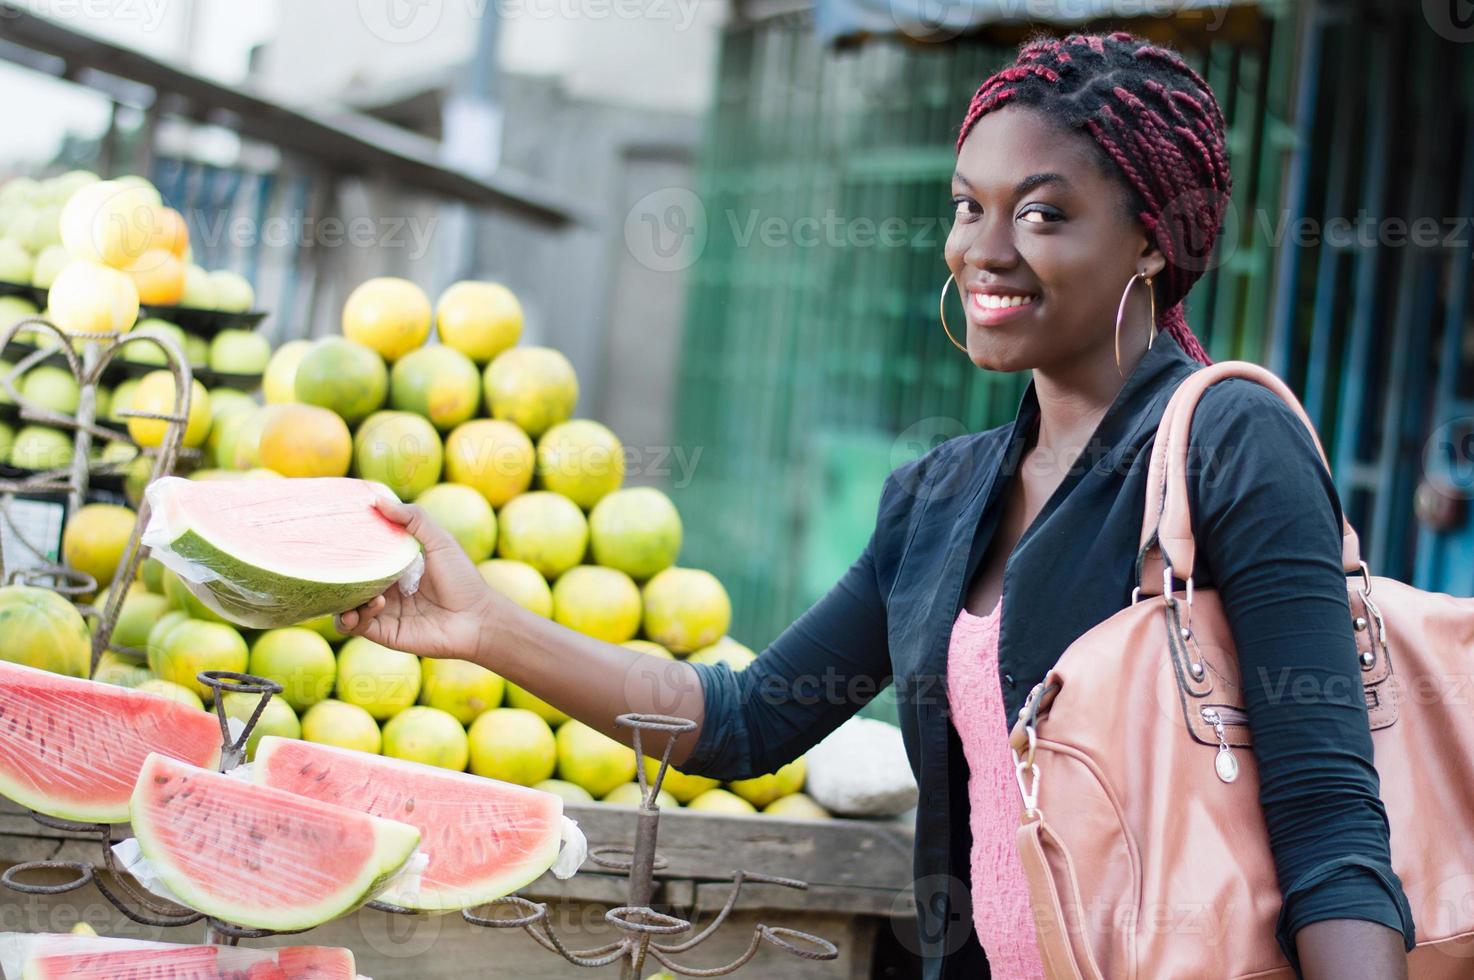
{"x":427,"y":897}
{"x":393,"y":845}
{"x":269,"y":588}
{"x":104,"y":725}
{"x":264,"y":599}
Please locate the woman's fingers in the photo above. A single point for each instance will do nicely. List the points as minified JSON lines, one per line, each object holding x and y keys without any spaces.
{"x":398,"y":512}
{"x":414,"y":520}
{"x":354,"y":619}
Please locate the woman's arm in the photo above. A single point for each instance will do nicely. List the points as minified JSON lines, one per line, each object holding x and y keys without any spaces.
{"x":818,"y":672}
{"x":454,"y":614}
{"x":1268,"y":525}
{"x":1349,"y":948}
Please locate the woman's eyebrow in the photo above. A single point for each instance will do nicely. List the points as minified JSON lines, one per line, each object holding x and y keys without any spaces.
{"x":1024,"y":186}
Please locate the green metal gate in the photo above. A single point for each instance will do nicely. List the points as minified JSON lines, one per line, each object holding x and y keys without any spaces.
{"x":812,"y":360}
{"x":1372,"y":322}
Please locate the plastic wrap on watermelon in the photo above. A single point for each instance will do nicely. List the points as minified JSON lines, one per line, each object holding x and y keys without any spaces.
{"x":132,"y":860}
{"x":270,"y":553}
{"x":486,"y":838}
{"x":53,"y":956}
{"x":258,"y":856}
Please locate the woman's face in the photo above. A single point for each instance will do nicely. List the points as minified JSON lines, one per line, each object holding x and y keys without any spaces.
{"x":1036,"y":218}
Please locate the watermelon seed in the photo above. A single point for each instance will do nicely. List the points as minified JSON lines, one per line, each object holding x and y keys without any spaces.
{"x":409,"y":805}
{"x":161,"y":780}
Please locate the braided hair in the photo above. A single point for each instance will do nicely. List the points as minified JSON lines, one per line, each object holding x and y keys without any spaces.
{"x":1155,"y":125}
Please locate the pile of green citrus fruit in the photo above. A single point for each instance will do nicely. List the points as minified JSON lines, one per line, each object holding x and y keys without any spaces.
{"x":482,"y":432}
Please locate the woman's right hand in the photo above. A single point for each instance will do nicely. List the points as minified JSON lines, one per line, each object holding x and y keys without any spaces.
{"x":449,"y":612}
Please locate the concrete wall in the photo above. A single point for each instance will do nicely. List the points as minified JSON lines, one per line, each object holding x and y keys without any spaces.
{"x":654,"y":54}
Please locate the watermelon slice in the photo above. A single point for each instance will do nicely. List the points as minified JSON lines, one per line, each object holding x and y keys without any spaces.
{"x":72,"y":748}
{"x":486,"y":838}
{"x":259,"y":856}
{"x":316,"y":963}
{"x":269,"y":553}
{"x":69,"y":957}
{"x":184,"y":963}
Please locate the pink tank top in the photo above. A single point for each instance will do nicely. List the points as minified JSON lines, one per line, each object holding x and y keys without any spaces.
{"x":1000,"y":893}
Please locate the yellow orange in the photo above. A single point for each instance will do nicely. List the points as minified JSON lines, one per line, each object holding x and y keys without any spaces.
{"x":493,"y":457}
{"x":479,"y":319}
{"x":305,"y":440}
{"x":88,"y":297}
{"x":110,"y":222}
{"x":173,"y":233}
{"x":155,"y":393}
{"x":390,"y":315}
{"x":158,"y":275}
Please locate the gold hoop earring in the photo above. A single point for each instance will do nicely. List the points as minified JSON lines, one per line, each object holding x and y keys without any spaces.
{"x":1121,"y":309}
{"x":942,"y":312}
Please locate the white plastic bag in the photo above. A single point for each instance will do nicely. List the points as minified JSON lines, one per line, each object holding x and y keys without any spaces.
{"x":571,"y":851}
{"x":861,"y":770}
{"x":132,"y":860}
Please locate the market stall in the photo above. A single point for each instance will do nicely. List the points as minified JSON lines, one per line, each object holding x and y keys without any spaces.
{"x":194,"y":755}
{"x":858,"y":873}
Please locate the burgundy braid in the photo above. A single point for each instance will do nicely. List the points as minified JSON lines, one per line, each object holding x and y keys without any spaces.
{"x":1155,"y":123}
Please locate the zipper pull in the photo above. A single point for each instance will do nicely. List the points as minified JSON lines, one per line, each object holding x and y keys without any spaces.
{"x":1224,"y":762}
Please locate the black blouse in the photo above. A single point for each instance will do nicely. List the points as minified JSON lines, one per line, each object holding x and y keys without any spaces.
{"x":1267,"y":520}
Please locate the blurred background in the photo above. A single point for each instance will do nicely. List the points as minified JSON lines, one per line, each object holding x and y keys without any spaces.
{"x":729,"y":214}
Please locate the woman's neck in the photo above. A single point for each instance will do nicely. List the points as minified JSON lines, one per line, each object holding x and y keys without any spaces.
{"x":1074,"y":396}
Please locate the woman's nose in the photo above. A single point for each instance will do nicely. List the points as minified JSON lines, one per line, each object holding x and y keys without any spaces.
{"x":990,"y":244}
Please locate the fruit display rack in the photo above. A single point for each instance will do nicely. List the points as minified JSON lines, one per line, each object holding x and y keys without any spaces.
{"x":203,"y":323}
{"x":636,"y":919}
{"x":87,"y":366}
{"x":132,"y":901}
{"x":640,"y":923}
{"x":646,"y":933}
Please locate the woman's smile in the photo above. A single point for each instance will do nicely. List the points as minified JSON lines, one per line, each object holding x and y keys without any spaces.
{"x":989,"y":306}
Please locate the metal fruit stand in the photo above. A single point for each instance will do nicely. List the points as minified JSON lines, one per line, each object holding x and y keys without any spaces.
{"x":860,"y":870}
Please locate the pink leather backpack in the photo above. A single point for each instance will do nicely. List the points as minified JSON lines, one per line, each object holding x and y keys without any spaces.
{"x":1142,"y":835}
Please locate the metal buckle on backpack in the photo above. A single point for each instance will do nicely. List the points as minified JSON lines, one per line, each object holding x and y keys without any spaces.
{"x":1025,"y":763}
{"x":1194,"y":667}
{"x":1030,"y":793}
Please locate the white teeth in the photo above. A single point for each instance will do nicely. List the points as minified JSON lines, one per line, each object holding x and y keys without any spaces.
{"x":990,"y":302}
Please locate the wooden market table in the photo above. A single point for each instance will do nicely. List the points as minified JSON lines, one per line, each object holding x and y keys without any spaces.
{"x":859,"y":898}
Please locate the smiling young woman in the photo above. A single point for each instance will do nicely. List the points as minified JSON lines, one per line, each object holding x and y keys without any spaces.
{"x":1091,"y":181}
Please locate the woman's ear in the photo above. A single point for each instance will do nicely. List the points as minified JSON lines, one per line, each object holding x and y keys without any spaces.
{"x":1151,"y":260}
